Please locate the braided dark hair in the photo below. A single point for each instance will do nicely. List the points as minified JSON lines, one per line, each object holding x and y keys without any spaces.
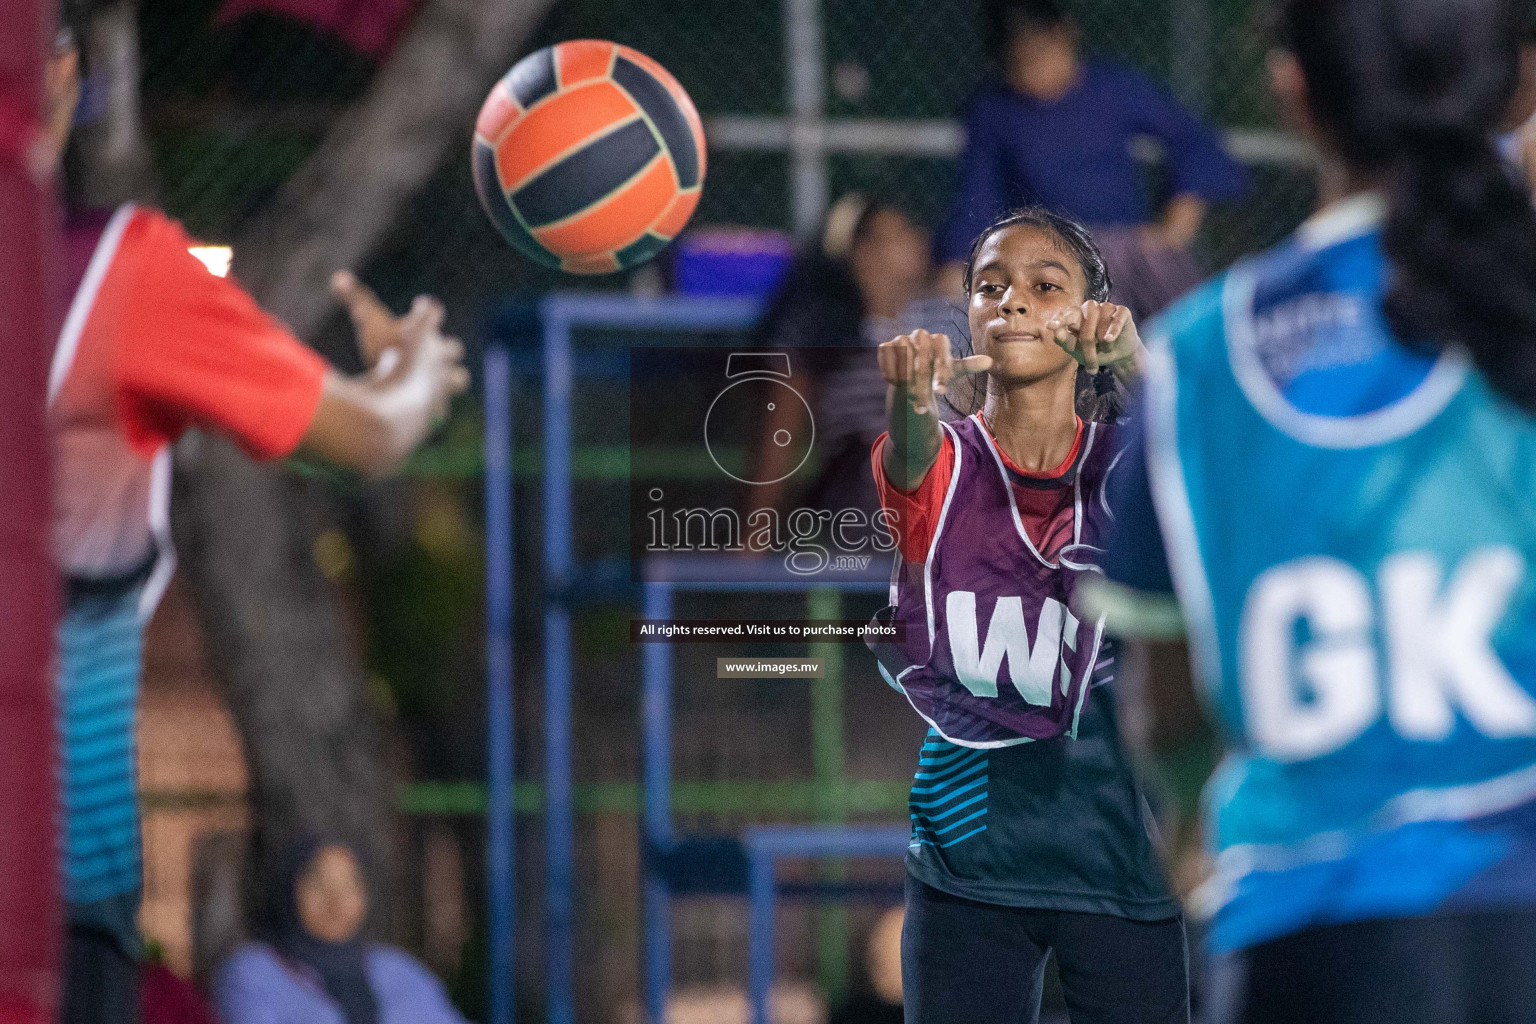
{"x":1414,"y":90}
{"x":1100,"y":397}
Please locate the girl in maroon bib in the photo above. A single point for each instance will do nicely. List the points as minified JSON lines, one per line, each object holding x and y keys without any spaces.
{"x":1029,"y":832}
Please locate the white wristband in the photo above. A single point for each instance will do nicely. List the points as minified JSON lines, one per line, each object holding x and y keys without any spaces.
{"x":387,"y":361}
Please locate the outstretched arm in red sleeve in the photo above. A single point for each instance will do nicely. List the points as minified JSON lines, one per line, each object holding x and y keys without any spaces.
{"x":195,"y":349}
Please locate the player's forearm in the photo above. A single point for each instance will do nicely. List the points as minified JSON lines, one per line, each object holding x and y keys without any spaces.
{"x":1130,"y":369}
{"x":1163,"y":724}
{"x":371,"y":424}
{"x":915,"y":439}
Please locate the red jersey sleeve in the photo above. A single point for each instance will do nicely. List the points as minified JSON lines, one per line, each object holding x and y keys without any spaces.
{"x":194,"y":349}
{"x":916,"y":511}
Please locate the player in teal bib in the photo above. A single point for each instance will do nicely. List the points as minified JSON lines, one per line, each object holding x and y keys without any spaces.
{"x":1341,"y":457}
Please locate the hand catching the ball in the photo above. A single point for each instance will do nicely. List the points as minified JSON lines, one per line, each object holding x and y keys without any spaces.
{"x":378,"y":329}
{"x":385,"y":340}
{"x":373,"y":421}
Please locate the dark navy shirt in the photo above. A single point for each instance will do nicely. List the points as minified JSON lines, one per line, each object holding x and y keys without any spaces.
{"x":1074,"y":155}
{"x":1136,"y":557}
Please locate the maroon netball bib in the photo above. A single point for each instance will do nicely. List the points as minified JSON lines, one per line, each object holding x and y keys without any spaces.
{"x":992,"y":654}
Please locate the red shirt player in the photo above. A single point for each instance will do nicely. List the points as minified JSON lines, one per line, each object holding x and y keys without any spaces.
{"x":153,"y":343}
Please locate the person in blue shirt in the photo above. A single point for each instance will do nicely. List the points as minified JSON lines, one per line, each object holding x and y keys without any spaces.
{"x":1338,"y":482}
{"x":1056,"y":131}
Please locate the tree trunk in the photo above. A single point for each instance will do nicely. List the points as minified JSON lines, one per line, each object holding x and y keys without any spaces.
{"x":422,"y":102}
{"x":115,"y":162}
{"x":275,"y":638}
{"x":274,"y":634}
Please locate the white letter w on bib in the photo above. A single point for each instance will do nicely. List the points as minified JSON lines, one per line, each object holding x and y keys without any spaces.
{"x":1031,"y":667}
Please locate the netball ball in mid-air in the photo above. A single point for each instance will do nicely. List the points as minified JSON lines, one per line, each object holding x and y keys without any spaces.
{"x":589,"y":156}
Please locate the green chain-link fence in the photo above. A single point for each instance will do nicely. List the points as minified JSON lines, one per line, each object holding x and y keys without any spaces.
{"x":233,"y":108}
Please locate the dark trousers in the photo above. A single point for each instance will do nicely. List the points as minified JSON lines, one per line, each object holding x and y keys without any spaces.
{"x":101,"y":982}
{"x":964,"y":962}
{"x":1476,"y":968}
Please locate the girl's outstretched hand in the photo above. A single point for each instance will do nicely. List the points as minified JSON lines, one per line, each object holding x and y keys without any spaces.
{"x":1098,"y":334}
{"x":922,"y":365}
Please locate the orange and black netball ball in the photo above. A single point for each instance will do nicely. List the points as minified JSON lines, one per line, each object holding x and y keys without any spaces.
{"x":589,"y":157}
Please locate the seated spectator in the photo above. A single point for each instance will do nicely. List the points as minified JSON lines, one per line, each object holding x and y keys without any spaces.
{"x":842,"y":297}
{"x":1057,"y":131}
{"x":314,"y":966}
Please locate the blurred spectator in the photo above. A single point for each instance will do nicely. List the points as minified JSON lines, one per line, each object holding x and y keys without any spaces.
{"x":315,"y":967}
{"x":1057,"y":131}
{"x":881,"y":1004}
{"x":839,"y":300}
{"x":1518,"y":141}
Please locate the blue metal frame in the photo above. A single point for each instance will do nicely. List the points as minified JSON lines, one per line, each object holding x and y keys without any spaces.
{"x":763,"y":845}
{"x":561,"y":312}
{"x":500,"y":859}
{"x":656,"y":811}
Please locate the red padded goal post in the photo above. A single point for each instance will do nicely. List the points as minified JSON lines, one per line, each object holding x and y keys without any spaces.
{"x":30,"y":309}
